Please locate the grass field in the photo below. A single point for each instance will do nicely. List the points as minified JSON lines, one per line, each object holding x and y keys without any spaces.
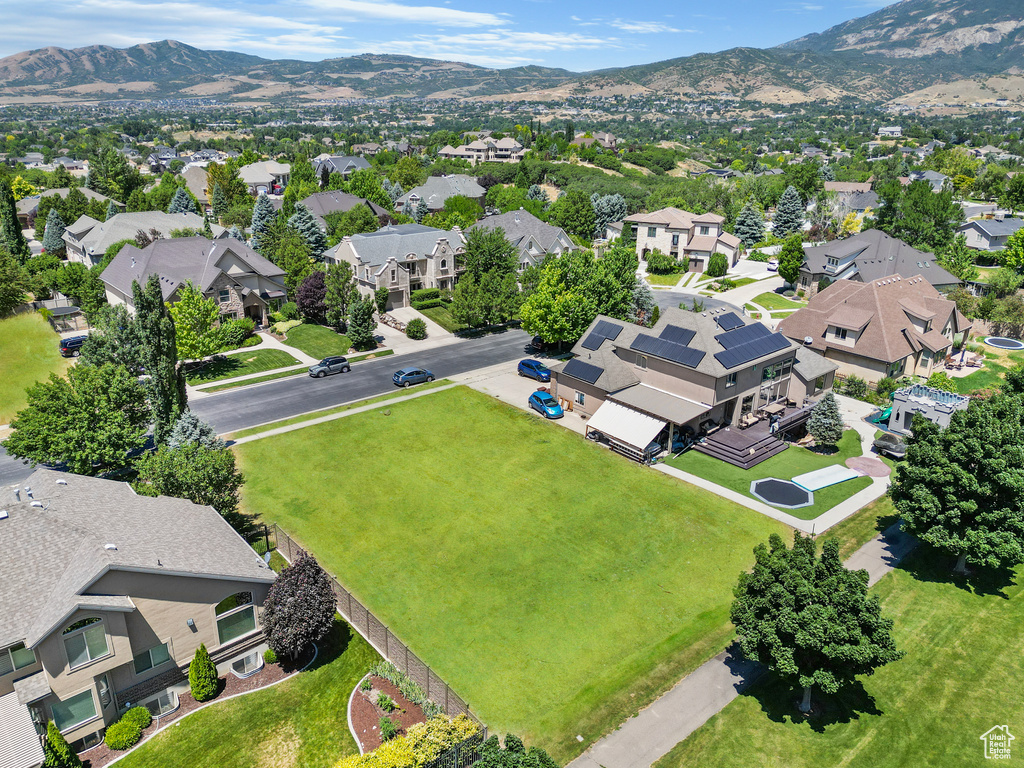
{"x":28,"y":353}
{"x":318,"y":341}
{"x":240,"y":364}
{"x":962,"y":674}
{"x":301,"y":722}
{"x":443,"y":317}
{"x":786,"y":465}
{"x":557,"y":587}
{"x":860,"y":527}
{"x":772,"y":301}
{"x":666,"y":280}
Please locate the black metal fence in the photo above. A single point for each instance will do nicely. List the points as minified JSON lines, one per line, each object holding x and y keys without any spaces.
{"x":461,"y":755}
{"x":380,"y":636}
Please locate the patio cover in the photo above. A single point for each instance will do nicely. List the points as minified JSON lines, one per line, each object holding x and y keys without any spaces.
{"x":663,"y":405}
{"x":630,"y":427}
{"x":19,"y":747}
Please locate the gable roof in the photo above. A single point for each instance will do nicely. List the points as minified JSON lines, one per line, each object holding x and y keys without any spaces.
{"x":322,"y":203}
{"x":124,"y":226}
{"x":263,"y":172}
{"x":520,"y":226}
{"x":180,"y":260}
{"x":877,"y":256}
{"x":52,"y":553}
{"x":437,"y":189}
{"x":342,"y":164}
{"x":847,"y":187}
{"x":375,"y":248}
{"x":881,"y":310}
{"x":994,"y":227}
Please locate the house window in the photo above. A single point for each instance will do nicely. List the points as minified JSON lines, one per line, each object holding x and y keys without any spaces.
{"x":80,"y":708}
{"x":831,"y":263}
{"x":641,"y":362}
{"x":841,"y":333}
{"x":236,"y":616}
{"x":444,"y":264}
{"x":247,"y":665}
{"x":224,"y":296}
{"x":154,"y":657}
{"x":748,"y":405}
{"x":730,"y":380}
{"x":16,"y":657}
{"x":163,"y":703}
{"x":85,"y":641}
{"x":104,"y":691}
{"x":394,"y":275}
{"x":819,"y":384}
{"x":652,"y":232}
{"x":581,"y":399}
{"x":704,"y":230}
{"x":675,"y":239}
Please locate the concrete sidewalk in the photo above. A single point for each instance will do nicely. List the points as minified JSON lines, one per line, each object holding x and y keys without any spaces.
{"x":644,"y":739}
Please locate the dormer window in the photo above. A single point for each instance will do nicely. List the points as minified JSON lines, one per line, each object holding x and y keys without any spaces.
{"x":705,"y":230}
{"x":16,"y":657}
{"x":841,"y":333}
{"x":831,"y":263}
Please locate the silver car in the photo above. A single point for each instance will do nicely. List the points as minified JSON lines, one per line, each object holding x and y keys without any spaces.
{"x":329,"y":365}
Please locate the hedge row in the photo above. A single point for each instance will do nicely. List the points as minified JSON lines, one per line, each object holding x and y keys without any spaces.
{"x":425,"y":293}
{"x":427,"y":304}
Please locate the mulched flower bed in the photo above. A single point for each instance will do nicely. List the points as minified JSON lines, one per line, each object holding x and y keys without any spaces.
{"x":365,"y":714}
{"x":226,"y":686}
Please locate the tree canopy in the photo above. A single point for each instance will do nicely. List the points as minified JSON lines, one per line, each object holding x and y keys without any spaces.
{"x":299,"y":608}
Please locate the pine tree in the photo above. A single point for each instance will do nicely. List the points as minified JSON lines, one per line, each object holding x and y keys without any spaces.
{"x":263,"y":215}
{"x":207,"y":229}
{"x":182,"y":202}
{"x":361,"y":324}
{"x":219,"y":202}
{"x":643,"y":303}
{"x":202,"y":675}
{"x":167,"y":394}
{"x":303,"y":222}
{"x":789,"y":214}
{"x":421,"y":210}
{"x":749,"y":226}
{"x":53,"y":239}
{"x":236,"y":233}
{"x":11,"y":235}
{"x":57,"y":753}
{"x":189,"y":429}
{"x":396,"y":191}
{"x":111,"y":211}
{"x":826,"y":422}
{"x":607,"y":209}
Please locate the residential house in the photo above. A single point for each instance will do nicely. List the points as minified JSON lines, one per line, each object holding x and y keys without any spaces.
{"x":844,"y":189}
{"x":402,"y":259}
{"x":437,"y":189}
{"x":505,"y":150}
{"x":243,"y":283}
{"x":367,"y":150}
{"x":28,"y":207}
{"x":195,"y":180}
{"x":892,"y":326}
{"x":890,"y":132}
{"x":601,"y":138}
{"x":936,"y":180}
{"x":867,"y":256}
{"x":105,"y":598}
{"x":680,"y":233}
{"x":267,"y":177}
{"x":533,"y":239}
{"x":87,"y":239}
{"x":160,"y":159}
{"x":322,"y":203}
{"x":690,"y":373}
{"x":343,"y":164}
{"x":989,"y":234}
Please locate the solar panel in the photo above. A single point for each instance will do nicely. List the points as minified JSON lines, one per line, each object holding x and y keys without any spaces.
{"x":677,"y":335}
{"x":583,"y":371}
{"x":593,"y":341}
{"x":729,"y":321}
{"x":752,"y":350}
{"x":668,"y":350}
{"x":742,"y":335}
{"x":608,"y":330}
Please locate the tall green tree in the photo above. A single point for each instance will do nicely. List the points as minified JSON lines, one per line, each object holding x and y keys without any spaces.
{"x":340,"y":291}
{"x":1013,"y":194}
{"x":89,"y":421}
{"x":167,"y":395}
{"x":361,"y":323}
{"x":13,"y":283}
{"x":789,"y":214}
{"x":574,"y":213}
{"x":303,"y":222}
{"x":607,"y":209}
{"x":826,"y":422}
{"x":80,"y":284}
{"x":11,"y":236}
{"x":57,"y":753}
{"x":53,"y":239}
{"x":219,"y":202}
{"x":809,"y":619}
{"x":958,"y":260}
{"x":263,"y":216}
{"x":1012,"y":256}
{"x":110,"y":174}
{"x":961,"y":489}
{"x":291,"y":253}
{"x":182,"y":202}
{"x":354,"y":221}
{"x":749,"y":227}
{"x":791,"y":258}
{"x":115,"y":338}
{"x":197,"y":334}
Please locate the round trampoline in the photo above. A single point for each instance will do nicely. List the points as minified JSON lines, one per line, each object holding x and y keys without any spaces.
{"x":1002,"y":342}
{"x":781,"y":493}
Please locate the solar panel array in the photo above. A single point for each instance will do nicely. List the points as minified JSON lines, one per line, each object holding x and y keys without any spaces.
{"x":742,"y":335}
{"x":583,"y":371}
{"x":603,"y":330}
{"x":743,"y":352}
{"x":729,"y":321}
{"x":677,"y":335}
{"x":668,"y":350}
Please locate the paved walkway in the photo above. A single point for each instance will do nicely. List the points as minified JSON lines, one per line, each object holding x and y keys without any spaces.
{"x":642,"y":740}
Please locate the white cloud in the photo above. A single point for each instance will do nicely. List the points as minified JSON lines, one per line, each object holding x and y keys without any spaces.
{"x":644,"y":27}
{"x":416,"y":14}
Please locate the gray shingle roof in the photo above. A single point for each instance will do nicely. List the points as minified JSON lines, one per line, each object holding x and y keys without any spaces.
{"x":124,"y":226}
{"x":810,"y":365}
{"x":995,"y":227}
{"x":52,"y":553}
{"x":375,"y":248}
{"x":880,"y":256}
{"x":522,"y":225}
{"x":437,"y":189}
{"x":179,"y":260}
{"x":322,"y":203}
{"x":342,"y":164}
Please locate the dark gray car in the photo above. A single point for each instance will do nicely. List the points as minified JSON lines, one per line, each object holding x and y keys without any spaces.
{"x":329,"y":365}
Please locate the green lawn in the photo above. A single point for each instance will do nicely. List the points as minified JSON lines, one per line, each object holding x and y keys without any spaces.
{"x":301,"y":723}
{"x":962,"y":674}
{"x":990,"y":375}
{"x":556,"y":586}
{"x":753,"y":311}
{"x":443,"y":317}
{"x":775,"y":301}
{"x":862,"y":526}
{"x":318,"y":341}
{"x":29,"y":352}
{"x":669,"y":280}
{"x":786,"y":465}
{"x":239,"y":364}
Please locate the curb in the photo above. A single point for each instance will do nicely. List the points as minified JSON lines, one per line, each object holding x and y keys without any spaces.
{"x":351,"y":728}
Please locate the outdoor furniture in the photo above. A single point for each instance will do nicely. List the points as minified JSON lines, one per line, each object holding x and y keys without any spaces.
{"x":775,"y":409}
{"x":748,"y":420}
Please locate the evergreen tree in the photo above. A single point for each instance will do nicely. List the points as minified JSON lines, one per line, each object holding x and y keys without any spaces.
{"x":361,"y":324}
{"x":182,"y":202}
{"x":11,"y":235}
{"x":53,"y":240}
{"x":219,"y":202}
{"x":643,"y":303}
{"x":202,"y":675}
{"x":13,"y":283}
{"x":826,"y":423}
{"x":421,"y":210}
{"x":749,"y":227}
{"x":111,"y":211}
{"x":57,"y":753}
{"x":263,"y":216}
{"x":299,"y":608}
{"x":396,"y":191}
{"x":207,"y":229}
{"x":189,"y":429}
{"x":827,"y":172}
{"x":167,"y":394}
{"x":236,"y":233}
{"x":292,"y":255}
{"x":303,"y":222}
{"x":718,"y":265}
{"x":607,"y":209}
{"x":789,"y":213}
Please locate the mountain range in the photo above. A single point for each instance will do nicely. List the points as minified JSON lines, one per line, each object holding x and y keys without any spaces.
{"x":911,"y":46}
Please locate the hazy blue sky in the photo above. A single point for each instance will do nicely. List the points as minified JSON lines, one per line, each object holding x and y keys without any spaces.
{"x":575,"y":35}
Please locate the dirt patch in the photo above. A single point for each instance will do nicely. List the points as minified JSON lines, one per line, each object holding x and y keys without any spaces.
{"x":281,"y":750}
{"x":868,"y":466}
{"x":366,"y":715}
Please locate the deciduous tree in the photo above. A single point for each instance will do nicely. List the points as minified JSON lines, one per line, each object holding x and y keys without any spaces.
{"x":299,"y":608}
{"x":13,"y":283}
{"x":310,"y":297}
{"x":196,"y":332}
{"x":339,"y":293}
{"x":361,"y":323}
{"x":791,"y":258}
{"x":115,"y":338}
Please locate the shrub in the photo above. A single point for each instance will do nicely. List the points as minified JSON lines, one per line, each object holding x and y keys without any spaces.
{"x":855,"y":387}
{"x":408,"y":688}
{"x":423,"y":743}
{"x":269,"y":657}
{"x":758,"y":256}
{"x":718,"y":265}
{"x":237,"y":331}
{"x":252,"y":341}
{"x":56,"y":750}
{"x":416,"y":329}
{"x":386,"y":703}
{"x":140,"y":716}
{"x":366,"y":684}
{"x":277,"y":317}
{"x":886,"y":386}
{"x":290,"y":311}
{"x":823,"y":284}
{"x":122,"y":734}
{"x":789,"y":293}
{"x":424,"y":294}
{"x":659,"y":263}
{"x":284,"y":326}
{"x":202,"y":675}
{"x":380,"y":298}
{"x":427,"y":304}
{"x":388,"y":729}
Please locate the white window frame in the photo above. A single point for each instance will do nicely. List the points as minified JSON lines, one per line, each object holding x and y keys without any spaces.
{"x":96,"y":712}
{"x":581,"y":398}
{"x":730,"y":380}
{"x":146,"y":701}
{"x":148,"y":653}
{"x":221,"y":298}
{"x":11,"y":665}
{"x":841,"y":334}
{"x":257,"y":659}
{"x":81,"y":631}
{"x":251,"y":606}
{"x":394,"y":276}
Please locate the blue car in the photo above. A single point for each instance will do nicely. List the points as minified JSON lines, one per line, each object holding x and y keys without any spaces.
{"x":534,"y":369}
{"x":408,"y":376}
{"x":544,"y":404}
